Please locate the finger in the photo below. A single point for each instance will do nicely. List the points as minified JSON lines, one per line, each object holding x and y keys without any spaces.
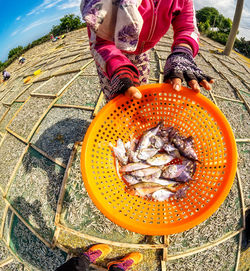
{"x":194,"y":85}
{"x":176,"y":82}
{"x":205,"y":84}
{"x":133,"y":92}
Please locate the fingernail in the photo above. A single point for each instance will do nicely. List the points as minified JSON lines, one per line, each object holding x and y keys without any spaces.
{"x":137,"y":95}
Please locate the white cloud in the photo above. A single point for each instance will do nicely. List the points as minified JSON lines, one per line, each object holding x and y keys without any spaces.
{"x":70,"y":4}
{"x":45,"y":5}
{"x":14,"y":33}
{"x":18,"y":18}
{"x":40,"y":22}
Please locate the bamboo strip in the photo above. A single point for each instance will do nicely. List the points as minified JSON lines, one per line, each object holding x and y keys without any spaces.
{"x":213,"y":97}
{"x":245,"y":140}
{"x":247,"y":92}
{"x":113,"y":243}
{"x":70,"y":82}
{"x":19,"y":109}
{"x":1,"y":141}
{"x":236,"y":90}
{"x":238,"y":252}
{"x":241,"y":64}
{"x":16,"y":135}
{"x":153,"y":79}
{"x":228,"y":99}
{"x":75,"y":106}
{"x":9,"y":104}
{"x":9,"y":233}
{"x":161,"y":77}
{"x":56,"y":161}
{"x":6,"y":261}
{"x":55,"y":237}
{"x":98,"y":104}
{"x":3,"y":219}
{"x":241,"y":199}
{"x":15,"y":171}
{"x":62,"y":190}
{"x":39,"y":121}
{"x":196,"y":250}
{"x":240,"y":77}
{"x":165,"y":253}
{"x":42,"y":95}
{"x":28,"y":226}
{"x":5,"y":113}
{"x":65,"y":72}
{"x":60,"y":246}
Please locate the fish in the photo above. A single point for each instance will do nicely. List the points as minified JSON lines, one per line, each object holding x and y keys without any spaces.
{"x":182,"y":192}
{"x":162,"y":195}
{"x":189,"y":141}
{"x":157,"y":142}
{"x":183,"y":177}
{"x":159,"y":159}
{"x":167,"y":183}
{"x":144,"y":141}
{"x":164,"y":133}
{"x":133,"y":167}
{"x":130,"y":179}
{"x":183,"y":144}
{"x":133,"y":157}
{"x":149,"y":167}
{"x":189,"y":153}
{"x":145,"y":154}
{"x":168,"y":148}
{"x":131,"y":151}
{"x":120,"y":152}
{"x":145,"y":172}
{"x":172,"y":171}
{"x":143,"y":189}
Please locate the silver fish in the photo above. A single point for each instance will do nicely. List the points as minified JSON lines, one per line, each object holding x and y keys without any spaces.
{"x":157,"y":142}
{"x":130,"y":179}
{"x":145,"y":154}
{"x":133,"y":167}
{"x":173,"y":171}
{"x":159,"y":159}
{"x":120,"y":152}
{"x":162,"y":195}
{"x":143,"y":189}
{"x":168,"y":148}
{"x":145,"y":172}
{"x":161,"y":181}
{"x":144,"y":141}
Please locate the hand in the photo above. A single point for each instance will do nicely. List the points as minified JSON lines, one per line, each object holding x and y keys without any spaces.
{"x":180,"y":65}
{"x":125,"y":80}
{"x":133,"y":92}
{"x":176,"y":83}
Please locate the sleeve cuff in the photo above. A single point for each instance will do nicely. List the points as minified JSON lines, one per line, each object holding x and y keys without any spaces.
{"x":188,"y":40}
{"x":116,"y":62}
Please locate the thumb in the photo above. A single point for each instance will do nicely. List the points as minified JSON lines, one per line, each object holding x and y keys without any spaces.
{"x":133,"y":92}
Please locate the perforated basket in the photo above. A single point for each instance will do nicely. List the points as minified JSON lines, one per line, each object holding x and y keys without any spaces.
{"x":193,"y":114}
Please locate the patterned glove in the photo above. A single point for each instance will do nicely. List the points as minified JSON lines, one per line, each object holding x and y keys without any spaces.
{"x":180,"y":64}
{"x":123,"y":78}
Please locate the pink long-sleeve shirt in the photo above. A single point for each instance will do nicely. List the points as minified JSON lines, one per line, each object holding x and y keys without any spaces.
{"x":156,"y":22}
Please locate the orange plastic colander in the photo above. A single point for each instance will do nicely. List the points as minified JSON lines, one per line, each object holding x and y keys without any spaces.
{"x":193,"y":114}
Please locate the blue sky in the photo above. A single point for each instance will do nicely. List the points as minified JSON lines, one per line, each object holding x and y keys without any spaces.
{"x":24,"y":21}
